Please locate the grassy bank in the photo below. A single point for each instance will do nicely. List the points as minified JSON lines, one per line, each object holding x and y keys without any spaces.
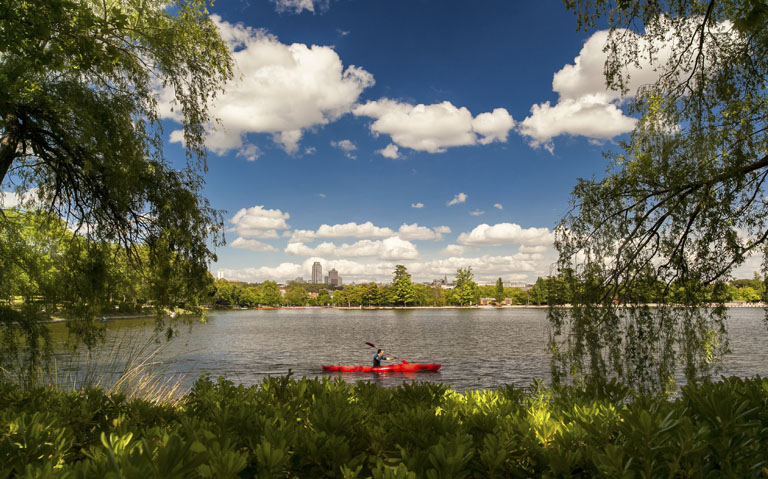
{"x":313,"y":428}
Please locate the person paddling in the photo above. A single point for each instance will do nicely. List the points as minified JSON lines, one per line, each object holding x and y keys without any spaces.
{"x":378,"y":357}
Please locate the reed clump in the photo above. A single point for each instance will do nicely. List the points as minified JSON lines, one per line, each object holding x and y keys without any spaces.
{"x":127,"y":363}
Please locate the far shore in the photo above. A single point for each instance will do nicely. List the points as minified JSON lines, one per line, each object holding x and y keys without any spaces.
{"x":511,"y":306}
{"x":733,"y":305}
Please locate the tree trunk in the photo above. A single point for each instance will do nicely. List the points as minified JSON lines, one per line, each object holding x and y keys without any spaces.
{"x":8,"y":144}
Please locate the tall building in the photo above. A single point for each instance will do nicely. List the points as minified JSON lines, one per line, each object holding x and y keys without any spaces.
{"x":317,"y":273}
{"x":333,"y":278}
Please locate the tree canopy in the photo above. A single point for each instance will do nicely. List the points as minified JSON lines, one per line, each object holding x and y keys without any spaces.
{"x":466,"y":289}
{"x":79,"y":122}
{"x":403,"y":289}
{"x":499,"y":291}
{"x":81,"y":138}
{"x":681,"y":204}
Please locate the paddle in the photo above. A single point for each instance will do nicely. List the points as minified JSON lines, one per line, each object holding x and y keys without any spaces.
{"x":393,"y":357}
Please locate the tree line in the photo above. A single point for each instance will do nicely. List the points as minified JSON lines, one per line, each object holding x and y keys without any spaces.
{"x":403,"y":292}
{"x":49,"y":270}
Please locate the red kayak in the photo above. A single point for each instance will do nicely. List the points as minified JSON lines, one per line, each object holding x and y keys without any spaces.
{"x":402,"y":367}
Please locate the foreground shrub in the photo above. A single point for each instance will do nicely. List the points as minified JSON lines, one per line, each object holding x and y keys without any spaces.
{"x":328,"y":428}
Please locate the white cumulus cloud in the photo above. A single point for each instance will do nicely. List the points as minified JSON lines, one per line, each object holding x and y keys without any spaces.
{"x":302,"y":236}
{"x":498,"y":206}
{"x":433,"y":128}
{"x":391,"y":151}
{"x":417,"y":205}
{"x":278,"y":89}
{"x":588,"y":116}
{"x":493,"y":126}
{"x":416,"y":232}
{"x":249,"y":152}
{"x":393,"y":249}
{"x":460,"y":198}
{"x":281,"y":272}
{"x":298,"y":6}
{"x":506,"y":233}
{"x":259,"y":222}
{"x":251,"y":244}
{"x":346,"y":146}
{"x":10,"y":199}
{"x":345,"y":230}
{"x":586,"y":107}
{"x":477,"y":213}
{"x":453,"y":250}
{"x":353,"y":230}
{"x":538,"y":249}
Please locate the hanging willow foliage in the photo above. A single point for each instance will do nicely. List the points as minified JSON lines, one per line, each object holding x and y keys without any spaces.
{"x":681,"y":205}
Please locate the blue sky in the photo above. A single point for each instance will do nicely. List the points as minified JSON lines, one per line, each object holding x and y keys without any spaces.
{"x":437,"y":134}
{"x":366,"y":133}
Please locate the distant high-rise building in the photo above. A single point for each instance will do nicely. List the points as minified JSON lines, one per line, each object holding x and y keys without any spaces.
{"x":317,"y":273}
{"x":333,"y":278}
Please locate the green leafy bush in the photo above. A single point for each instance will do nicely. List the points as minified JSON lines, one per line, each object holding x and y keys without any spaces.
{"x":327,"y":428}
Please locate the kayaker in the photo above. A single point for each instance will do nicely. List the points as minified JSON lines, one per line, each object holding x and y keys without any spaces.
{"x":378,"y":357}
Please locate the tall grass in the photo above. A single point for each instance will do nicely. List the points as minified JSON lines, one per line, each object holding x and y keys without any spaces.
{"x":125,"y":363}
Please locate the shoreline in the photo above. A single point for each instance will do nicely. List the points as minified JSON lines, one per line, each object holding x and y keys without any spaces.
{"x":372,"y":308}
{"x":512,"y":306}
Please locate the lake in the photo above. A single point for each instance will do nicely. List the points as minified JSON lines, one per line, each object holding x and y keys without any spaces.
{"x":478,"y":348}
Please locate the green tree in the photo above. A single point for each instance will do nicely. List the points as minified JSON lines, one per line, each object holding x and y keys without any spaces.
{"x":437,"y":296}
{"x":80,"y":134}
{"x":467,"y":292}
{"x":340,"y":297}
{"x":323,"y":298}
{"x":499,"y":296}
{"x":370,"y":295}
{"x":296,"y":296}
{"x":517,"y":295}
{"x":270,"y":293}
{"x":249,"y":296}
{"x":748,"y":294}
{"x":403,"y":290}
{"x":354,"y":294}
{"x":422,"y":294}
{"x":681,"y":203}
{"x":538,"y":294}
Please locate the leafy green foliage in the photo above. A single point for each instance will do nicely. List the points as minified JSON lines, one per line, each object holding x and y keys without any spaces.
{"x":80,"y":138}
{"x":499,"y":292}
{"x":682,"y":203}
{"x":239,"y":294}
{"x":466,"y":291}
{"x":51,"y":272}
{"x":403,"y":290}
{"x":328,"y":428}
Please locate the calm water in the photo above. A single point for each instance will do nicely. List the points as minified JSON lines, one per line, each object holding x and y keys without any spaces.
{"x":478,"y":348}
